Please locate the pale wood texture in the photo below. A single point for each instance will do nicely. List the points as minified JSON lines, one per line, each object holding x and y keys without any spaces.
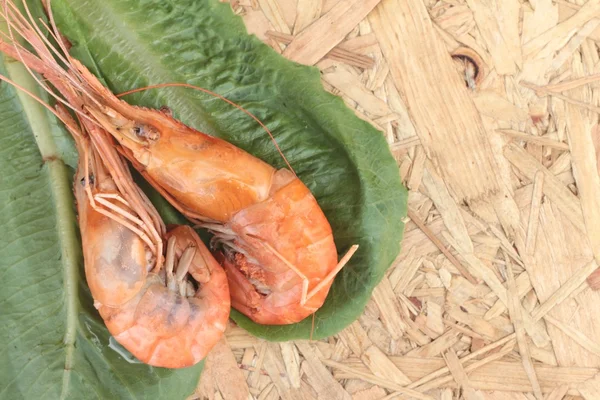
{"x":490,"y":108}
{"x":445,"y":118}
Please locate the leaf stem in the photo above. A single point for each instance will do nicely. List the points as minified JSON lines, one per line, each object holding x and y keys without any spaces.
{"x":38,"y":118}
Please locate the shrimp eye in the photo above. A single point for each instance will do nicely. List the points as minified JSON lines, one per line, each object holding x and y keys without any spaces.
{"x":145,"y":132}
{"x":90,"y":179}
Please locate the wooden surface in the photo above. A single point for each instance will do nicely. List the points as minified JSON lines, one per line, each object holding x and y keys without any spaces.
{"x":490,"y":108}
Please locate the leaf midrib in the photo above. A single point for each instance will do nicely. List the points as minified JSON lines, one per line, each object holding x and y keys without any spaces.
{"x":38,"y":120}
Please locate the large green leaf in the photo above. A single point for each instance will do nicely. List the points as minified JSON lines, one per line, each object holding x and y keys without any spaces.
{"x":343,"y":160}
{"x":53,"y":344}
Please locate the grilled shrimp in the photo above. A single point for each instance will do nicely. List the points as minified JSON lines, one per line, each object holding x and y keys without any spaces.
{"x":167,"y":311}
{"x":271,"y":236}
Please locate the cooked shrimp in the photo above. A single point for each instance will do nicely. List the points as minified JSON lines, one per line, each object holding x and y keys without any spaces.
{"x":166,"y":317}
{"x":274,"y":240}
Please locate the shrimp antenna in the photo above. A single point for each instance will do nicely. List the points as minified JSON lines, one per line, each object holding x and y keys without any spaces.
{"x":16,"y":22}
{"x":201,"y":89}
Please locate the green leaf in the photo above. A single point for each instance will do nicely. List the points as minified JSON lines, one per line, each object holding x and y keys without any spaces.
{"x":53,"y":344}
{"x":342,"y":159}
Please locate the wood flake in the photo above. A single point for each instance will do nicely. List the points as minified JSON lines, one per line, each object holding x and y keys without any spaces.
{"x":555,"y":38}
{"x":291,"y":360}
{"x":460,"y":150}
{"x":273,"y":12}
{"x":534,"y":213}
{"x":499,"y":108}
{"x":222,"y":368}
{"x":448,"y":209}
{"x":382,"y":367}
{"x":354,"y":373}
{"x":590,"y":389}
{"x":442,"y":248}
{"x":514,"y":307}
{"x":319,"y":376}
{"x":324,"y":34}
{"x":349,"y":84}
{"x":338,"y":53}
{"x":275,"y":368}
{"x":553,"y":188}
{"x":417,"y":170}
{"x":459,"y":375}
{"x":587,"y":343}
{"x":585,"y":170}
{"x":539,"y":140}
{"x":558,"y":393}
{"x":499,"y":25}
{"x":389,"y":307}
{"x":566,"y":290}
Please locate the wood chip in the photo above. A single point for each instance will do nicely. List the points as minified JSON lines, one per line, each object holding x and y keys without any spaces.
{"x":459,"y":375}
{"x":336,"y":54}
{"x":523,"y":286}
{"x":539,"y":140}
{"x":499,"y":25}
{"x":222,"y":368}
{"x":471,"y":367}
{"x":275,"y":368}
{"x":307,"y":12}
{"x":273,"y":12}
{"x":536,"y":331}
{"x":318,"y":375}
{"x":558,"y":393}
{"x":436,"y":347}
{"x":382,"y":367}
{"x":291,"y":358}
{"x":321,"y":36}
{"x":553,"y":188}
{"x":587,"y":343}
{"x":460,"y":150}
{"x":378,"y":381}
{"x":585,"y":170}
{"x":566,"y":290}
{"x":448,"y":209}
{"x":442,"y":248}
{"x":349,"y":84}
{"x":534,"y":213}
{"x":590,"y":389}
{"x":514,"y":307}
{"x":389,"y":307}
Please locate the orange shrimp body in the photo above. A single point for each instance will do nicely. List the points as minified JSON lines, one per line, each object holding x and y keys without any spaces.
{"x":275,"y":237}
{"x":161,"y":318}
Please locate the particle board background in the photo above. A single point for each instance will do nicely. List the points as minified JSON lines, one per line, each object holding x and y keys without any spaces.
{"x":490,"y":108}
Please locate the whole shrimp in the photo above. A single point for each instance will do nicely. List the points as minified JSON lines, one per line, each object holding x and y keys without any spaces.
{"x":276,"y":244}
{"x":167,"y":311}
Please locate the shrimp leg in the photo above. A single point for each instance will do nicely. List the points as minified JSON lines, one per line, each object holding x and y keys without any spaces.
{"x":112,"y":196}
{"x":84,"y":146}
{"x":303,"y":277}
{"x":305,"y":281}
{"x":333,"y":272}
